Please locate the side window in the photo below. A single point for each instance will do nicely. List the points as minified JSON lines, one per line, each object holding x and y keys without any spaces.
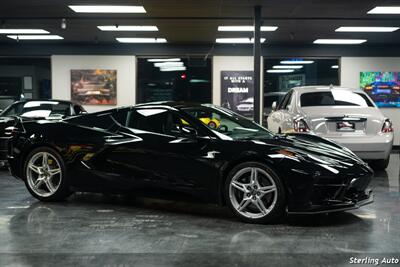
{"x":156,"y":120}
{"x":288,"y":101}
{"x":285,"y":100}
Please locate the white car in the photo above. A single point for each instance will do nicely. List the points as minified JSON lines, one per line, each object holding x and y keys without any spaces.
{"x":346,"y":116}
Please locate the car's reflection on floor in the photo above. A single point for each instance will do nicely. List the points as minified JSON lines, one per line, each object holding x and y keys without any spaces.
{"x":94,"y":229}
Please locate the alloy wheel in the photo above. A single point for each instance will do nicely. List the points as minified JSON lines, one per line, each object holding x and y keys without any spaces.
{"x":44,"y":174}
{"x":253,"y":192}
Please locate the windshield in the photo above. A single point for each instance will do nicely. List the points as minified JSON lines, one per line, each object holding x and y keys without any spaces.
{"x":226,"y":123}
{"x":335,"y":98}
{"x":36,"y":109}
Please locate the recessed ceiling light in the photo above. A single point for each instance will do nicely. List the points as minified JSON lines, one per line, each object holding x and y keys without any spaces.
{"x":128,"y":28}
{"x":237,"y":40}
{"x":35,"y":37}
{"x":168,"y":64}
{"x":287,"y":67}
{"x":163,"y":59}
{"x":367,"y":29}
{"x":141,"y":40}
{"x":23,"y":31}
{"x":245,"y":28}
{"x":385,"y":10}
{"x":340,"y":41}
{"x":334,"y":66}
{"x":183,"y":68}
{"x":297,"y":61}
{"x":279,"y":71}
{"x":107,"y":9}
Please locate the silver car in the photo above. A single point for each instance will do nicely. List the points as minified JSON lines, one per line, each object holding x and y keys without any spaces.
{"x":346,"y":116}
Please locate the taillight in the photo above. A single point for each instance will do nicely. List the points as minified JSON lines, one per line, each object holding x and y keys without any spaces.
{"x":11,"y":130}
{"x":387,"y":126}
{"x":300,"y":126}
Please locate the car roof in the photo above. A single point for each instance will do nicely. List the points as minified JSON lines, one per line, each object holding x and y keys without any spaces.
{"x":315,"y":88}
{"x":173,"y":104}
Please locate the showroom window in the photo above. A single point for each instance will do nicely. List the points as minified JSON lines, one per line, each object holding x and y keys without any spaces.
{"x":173,"y":78}
{"x":282,"y":74}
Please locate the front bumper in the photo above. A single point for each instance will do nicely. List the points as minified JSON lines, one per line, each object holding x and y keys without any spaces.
{"x":364,"y":199}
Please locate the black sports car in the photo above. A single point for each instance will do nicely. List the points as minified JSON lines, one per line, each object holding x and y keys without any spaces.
{"x":161,"y":148}
{"x":33,"y":109}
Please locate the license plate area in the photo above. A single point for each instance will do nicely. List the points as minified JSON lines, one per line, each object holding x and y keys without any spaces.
{"x":345,"y":126}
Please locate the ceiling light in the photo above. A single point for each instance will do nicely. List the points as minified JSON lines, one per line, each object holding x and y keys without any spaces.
{"x":297,"y":61}
{"x":128,"y":28}
{"x":245,"y":28}
{"x":107,"y":9}
{"x":163,"y":59}
{"x":182,"y":68}
{"x":168,"y":64}
{"x":367,"y":29}
{"x":287,"y":67}
{"x":35,"y":37}
{"x":23,"y":31}
{"x":279,"y":71}
{"x":385,"y":10}
{"x":334,"y":66}
{"x":237,"y":40}
{"x":340,"y":41}
{"x":141,"y":40}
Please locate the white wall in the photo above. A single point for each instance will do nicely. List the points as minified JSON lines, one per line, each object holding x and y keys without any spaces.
{"x":222,"y":63}
{"x":350,"y":76}
{"x":61,"y":67}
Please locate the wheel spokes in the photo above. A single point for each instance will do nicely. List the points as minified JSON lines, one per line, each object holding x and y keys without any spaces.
{"x":34,"y":168}
{"x":53,"y":172}
{"x":260,"y":205}
{"x":38,"y":182}
{"x":253,"y":176}
{"x":240,"y":186}
{"x":49,"y":185}
{"x":45,"y":160}
{"x":264,"y":190}
{"x":244,"y":203}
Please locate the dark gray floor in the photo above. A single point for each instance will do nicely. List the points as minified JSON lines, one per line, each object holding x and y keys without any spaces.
{"x":93,"y":230}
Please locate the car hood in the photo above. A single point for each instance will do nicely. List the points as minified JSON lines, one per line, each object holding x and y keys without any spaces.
{"x":315,"y":148}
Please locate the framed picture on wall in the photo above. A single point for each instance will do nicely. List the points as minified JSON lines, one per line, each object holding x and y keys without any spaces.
{"x":94,"y":87}
{"x":382,"y":86}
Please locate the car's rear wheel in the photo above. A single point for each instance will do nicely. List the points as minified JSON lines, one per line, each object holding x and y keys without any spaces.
{"x":255,"y":193}
{"x":45,"y":175}
{"x":212,"y":125}
{"x":381,"y":164}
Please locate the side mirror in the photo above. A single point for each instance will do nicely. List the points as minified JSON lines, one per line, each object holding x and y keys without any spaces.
{"x":274,"y":106}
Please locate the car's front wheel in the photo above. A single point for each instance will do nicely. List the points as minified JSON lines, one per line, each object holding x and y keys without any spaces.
{"x":255,"y":193}
{"x":45,"y":175}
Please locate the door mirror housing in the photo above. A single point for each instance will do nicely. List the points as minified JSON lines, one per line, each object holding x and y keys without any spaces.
{"x":274,"y":106}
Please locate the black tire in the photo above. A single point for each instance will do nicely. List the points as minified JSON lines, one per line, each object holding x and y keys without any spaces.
{"x":63,"y":190}
{"x":212,"y":125}
{"x":280,"y":206}
{"x":381,"y":164}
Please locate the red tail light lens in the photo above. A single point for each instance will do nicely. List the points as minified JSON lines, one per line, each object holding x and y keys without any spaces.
{"x":300,"y":126}
{"x":387,"y":127}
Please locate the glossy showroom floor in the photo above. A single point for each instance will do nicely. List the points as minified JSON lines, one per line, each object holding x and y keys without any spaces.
{"x":94,"y":230}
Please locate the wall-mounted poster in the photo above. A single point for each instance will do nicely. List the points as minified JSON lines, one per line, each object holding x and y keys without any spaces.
{"x":94,"y":87}
{"x":237,"y":91}
{"x":382,"y":86}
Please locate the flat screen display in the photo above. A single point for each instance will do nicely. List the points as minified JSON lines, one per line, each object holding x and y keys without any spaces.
{"x":382,"y":86}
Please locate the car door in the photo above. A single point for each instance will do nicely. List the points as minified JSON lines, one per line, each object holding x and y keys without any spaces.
{"x":170,"y":154}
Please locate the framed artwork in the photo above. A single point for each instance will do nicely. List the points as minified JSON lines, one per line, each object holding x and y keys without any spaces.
{"x":94,"y":87}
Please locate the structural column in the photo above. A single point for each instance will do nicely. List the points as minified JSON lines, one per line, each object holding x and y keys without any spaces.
{"x":257,"y":68}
